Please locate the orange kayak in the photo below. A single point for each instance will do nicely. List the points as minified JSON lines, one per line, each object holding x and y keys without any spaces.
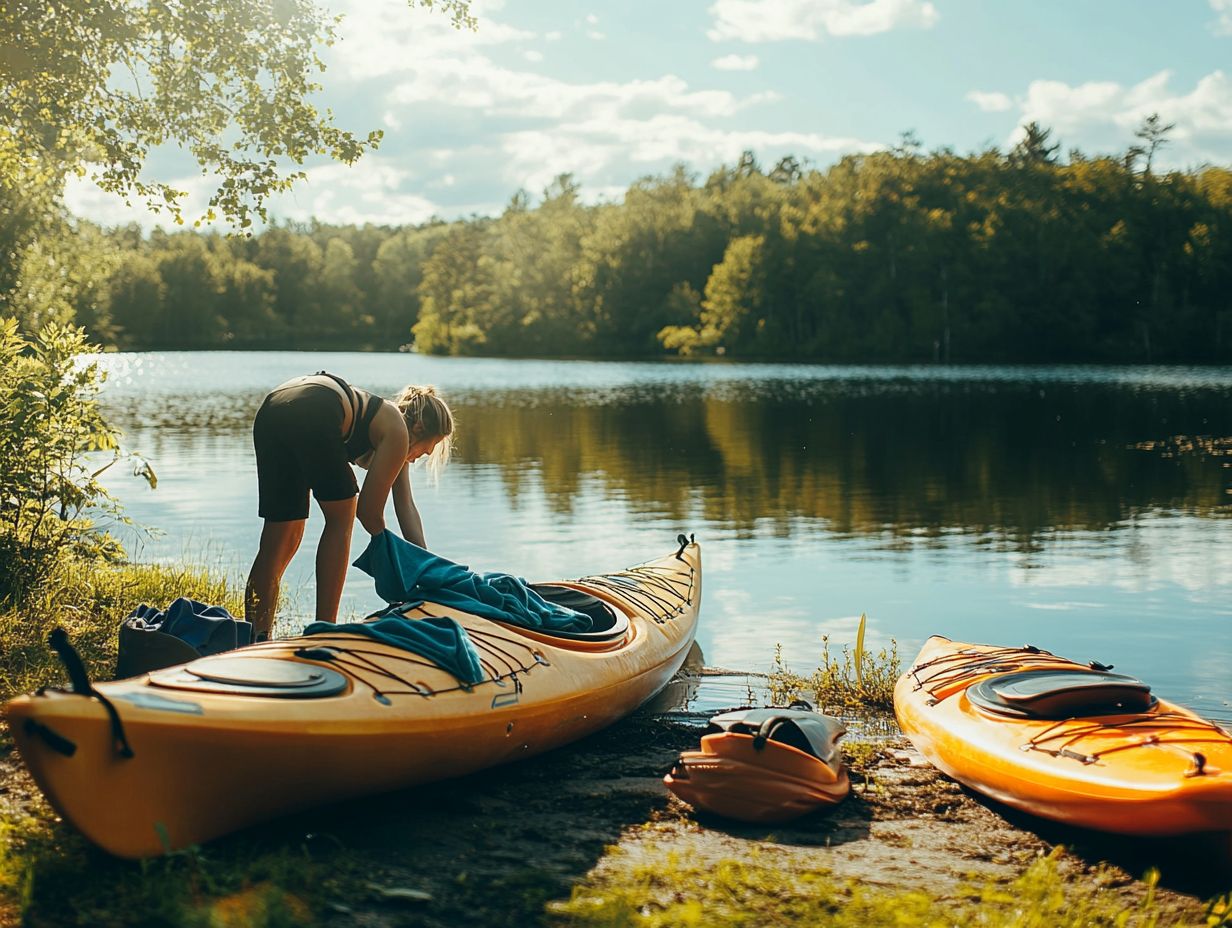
{"x":202,"y":749}
{"x":1066,"y":741}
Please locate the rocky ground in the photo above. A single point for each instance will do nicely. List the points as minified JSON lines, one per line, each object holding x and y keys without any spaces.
{"x":494,"y":848}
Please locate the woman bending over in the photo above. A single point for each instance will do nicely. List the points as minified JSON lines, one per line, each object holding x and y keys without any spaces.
{"x":307,"y":433}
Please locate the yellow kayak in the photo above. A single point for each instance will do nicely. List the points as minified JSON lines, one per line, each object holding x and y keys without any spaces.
{"x":1066,"y":741}
{"x":182,"y":755}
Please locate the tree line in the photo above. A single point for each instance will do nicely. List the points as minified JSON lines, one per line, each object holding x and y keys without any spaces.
{"x":899,"y":256}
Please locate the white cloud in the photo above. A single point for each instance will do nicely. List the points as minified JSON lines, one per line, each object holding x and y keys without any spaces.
{"x":592,"y":19}
{"x":990,"y":101}
{"x":554,"y":36}
{"x":736,"y":63}
{"x":87,"y":201}
{"x":1105,"y":110}
{"x":775,"y":20}
{"x":605,"y":146}
{"x":1223,"y":24}
{"x":475,"y":81}
{"x":381,"y":37}
{"x":532,"y":55}
{"x":336,"y":193}
{"x":595,"y":34}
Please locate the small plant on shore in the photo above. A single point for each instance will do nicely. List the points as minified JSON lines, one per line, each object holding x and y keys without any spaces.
{"x":1219,"y":912}
{"x":855,"y":679}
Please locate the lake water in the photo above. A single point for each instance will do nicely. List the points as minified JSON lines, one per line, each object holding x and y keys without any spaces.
{"x":1084,"y":510}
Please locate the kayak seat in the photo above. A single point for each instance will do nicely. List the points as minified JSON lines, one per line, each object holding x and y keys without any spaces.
{"x":606,"y":623}
{"x":1061,"y":694}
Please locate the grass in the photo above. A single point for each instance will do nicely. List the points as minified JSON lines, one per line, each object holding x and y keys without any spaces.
{"x":37,"y":858}
{"x":656,"y":889}
{"x":90,"y":600}
{"x":855,"y":679}
{"x":243,"y":886}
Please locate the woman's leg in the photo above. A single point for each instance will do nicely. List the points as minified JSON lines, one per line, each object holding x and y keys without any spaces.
{"x":333,"y":555}
{"x":279,"y":542}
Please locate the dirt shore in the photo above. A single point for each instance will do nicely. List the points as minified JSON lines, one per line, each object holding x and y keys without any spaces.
{"x":494,"y":848}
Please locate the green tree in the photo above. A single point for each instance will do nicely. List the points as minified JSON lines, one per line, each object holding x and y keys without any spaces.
{"x":457,"y":280}
{"x":95,"y":87}
{"x":296,"y":261}
{"x":248,"y":304}
{"x":135,"y":296}
{"x":398,"y":271}
{"x":1033,"y":147}
{"x":1152,"y":136}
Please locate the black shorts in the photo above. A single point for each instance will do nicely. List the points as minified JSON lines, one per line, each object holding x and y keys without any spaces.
{"x":298,"y":438}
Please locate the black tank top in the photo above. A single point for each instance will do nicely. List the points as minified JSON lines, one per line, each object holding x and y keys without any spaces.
{"x":363,"y":411}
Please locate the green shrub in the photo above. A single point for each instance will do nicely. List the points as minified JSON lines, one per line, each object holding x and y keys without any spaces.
{"x":54,"y":445}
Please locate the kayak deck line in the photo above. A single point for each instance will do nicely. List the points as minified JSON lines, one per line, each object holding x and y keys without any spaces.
{"x":1166,"y":722}
{"x":961,"y":668}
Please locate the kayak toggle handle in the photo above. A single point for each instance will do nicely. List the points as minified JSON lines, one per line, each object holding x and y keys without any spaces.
{"x":684,"y":541}
{"x":1102,"y":668}
{"x":1199,"y":765}
{"x":76,"y":668}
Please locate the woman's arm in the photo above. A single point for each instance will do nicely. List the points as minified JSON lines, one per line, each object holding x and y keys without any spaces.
{"x":388,"y":434}
{"x":405,"y":509}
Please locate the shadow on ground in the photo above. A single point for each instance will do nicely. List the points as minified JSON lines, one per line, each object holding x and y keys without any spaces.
{"x":1199,"y":865}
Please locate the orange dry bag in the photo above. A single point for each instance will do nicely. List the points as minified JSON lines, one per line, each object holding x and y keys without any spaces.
{"x":764,"y":765}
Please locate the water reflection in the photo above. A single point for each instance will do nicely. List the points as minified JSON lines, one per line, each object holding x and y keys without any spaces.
{"x":1019,"y":461}
{"x":1085,"y":510}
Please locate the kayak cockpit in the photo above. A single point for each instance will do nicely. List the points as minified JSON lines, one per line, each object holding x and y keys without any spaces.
{"x":1060,"y":693}
{"x":606,"y":624}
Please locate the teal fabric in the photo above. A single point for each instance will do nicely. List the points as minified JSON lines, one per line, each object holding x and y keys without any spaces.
{"x":441,"y":640}
{"x":404,"y":571}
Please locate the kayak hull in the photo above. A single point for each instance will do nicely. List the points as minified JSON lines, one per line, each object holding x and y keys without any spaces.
{"x":205,"y":764}
{"x":1162,"y":772}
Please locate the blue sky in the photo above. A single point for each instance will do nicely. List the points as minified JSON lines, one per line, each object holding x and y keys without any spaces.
{"x":611,"y":92}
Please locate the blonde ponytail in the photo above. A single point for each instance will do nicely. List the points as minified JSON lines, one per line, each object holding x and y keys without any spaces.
{"x":420,"y":405}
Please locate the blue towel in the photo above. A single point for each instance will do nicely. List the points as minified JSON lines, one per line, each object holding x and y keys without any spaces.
{"x":405,"y":571}
{"x":209,"y":629}
{"x":441,"y":640}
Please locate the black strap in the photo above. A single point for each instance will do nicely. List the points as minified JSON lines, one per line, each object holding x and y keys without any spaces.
{"x":684,"y":541}
{"x":58,"y":639}
{"x":53,"y":739}
{"x":767,"y":730}
{"x":352,"y":398}
{"x":82,"y":687}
